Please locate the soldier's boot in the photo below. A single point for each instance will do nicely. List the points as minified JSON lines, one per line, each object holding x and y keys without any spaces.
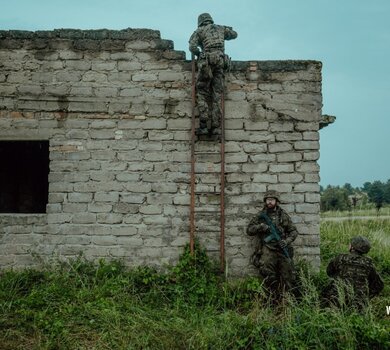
{"x":215,"y":128}
{"x":215,"y":131}
{"x":202,"y":130}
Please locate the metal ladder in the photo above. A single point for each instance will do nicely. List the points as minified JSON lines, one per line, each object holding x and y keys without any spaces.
{"x":201,"y":196}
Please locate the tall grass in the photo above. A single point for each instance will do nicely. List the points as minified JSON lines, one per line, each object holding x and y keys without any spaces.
{"x":336,"y":236}
{"x":78,"y":305}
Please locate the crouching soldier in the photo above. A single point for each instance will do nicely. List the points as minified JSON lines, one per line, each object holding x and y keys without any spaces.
{"x":273,"y":257}
{"x":355,"y":279}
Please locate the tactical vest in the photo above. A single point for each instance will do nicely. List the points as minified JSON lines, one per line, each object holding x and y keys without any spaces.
{"x":355,"y":269}
{"x":213,"y":38}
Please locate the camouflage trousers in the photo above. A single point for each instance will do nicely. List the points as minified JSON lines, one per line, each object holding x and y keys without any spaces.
{"x":277,"y":271}
{"x":209,"y":89}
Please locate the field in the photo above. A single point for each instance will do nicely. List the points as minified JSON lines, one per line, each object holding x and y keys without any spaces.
{"x":81,"y":306}
{"x":366,"y":210}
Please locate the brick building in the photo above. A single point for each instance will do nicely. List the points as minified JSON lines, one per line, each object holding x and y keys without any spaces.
{"x":95,"y":131}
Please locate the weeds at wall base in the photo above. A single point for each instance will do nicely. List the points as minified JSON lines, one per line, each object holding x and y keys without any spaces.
{"x":80,"y":305}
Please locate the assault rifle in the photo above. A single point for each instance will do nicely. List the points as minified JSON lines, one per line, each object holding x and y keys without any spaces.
{"x":275,"y":234}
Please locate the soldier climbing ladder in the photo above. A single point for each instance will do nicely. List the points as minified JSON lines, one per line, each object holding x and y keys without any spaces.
{"x":207,"y":42}
{"x":203,"y":193}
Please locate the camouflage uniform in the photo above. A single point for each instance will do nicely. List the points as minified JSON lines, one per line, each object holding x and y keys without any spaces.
{"x":274,"y":266}
{"x":210,"y":38}
{"x":355,"y":278}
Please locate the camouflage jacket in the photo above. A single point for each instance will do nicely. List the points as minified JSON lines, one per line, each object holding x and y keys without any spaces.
{"x":357,"y":270}
{"x":210,"y":38}
{"x":281,"y":221}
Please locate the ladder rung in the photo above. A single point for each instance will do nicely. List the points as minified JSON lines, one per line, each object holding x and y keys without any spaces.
{"x":206,"y":209}
{"x":207,"y":147}
{"x":207,"y":152}
{"x":208,"y":158}
{"x":207,"y":193}
{"x":215,"y":138}
{"x":207,"y":187}
{"x":203,"y":229}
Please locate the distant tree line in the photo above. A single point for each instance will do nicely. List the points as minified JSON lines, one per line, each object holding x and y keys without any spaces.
{"x":347,"y":197}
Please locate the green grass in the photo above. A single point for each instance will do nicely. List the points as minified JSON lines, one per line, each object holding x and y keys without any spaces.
{"x":82,"y":306}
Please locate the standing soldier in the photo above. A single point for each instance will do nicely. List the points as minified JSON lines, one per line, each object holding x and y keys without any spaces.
{"x":276,"y":232}
{"x":354,"y":276}
{"x":208,"y":44}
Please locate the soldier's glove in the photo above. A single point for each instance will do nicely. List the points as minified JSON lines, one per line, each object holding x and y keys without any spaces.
{"x":282,"y":244}
{"x":263,"y":227}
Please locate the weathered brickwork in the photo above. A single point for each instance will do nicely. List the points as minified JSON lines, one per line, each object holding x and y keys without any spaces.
{"x":116,"y":109}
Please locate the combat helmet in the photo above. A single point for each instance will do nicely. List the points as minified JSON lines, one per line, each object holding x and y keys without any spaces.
{"x":360,"y":244}
{"x":271,"y":194}
{"x":204,"y":18}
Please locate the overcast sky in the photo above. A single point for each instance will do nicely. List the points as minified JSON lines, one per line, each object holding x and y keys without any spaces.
{"x":350,"y":37}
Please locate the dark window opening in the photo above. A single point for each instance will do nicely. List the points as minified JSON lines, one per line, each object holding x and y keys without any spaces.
{"x":24,"y":170}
